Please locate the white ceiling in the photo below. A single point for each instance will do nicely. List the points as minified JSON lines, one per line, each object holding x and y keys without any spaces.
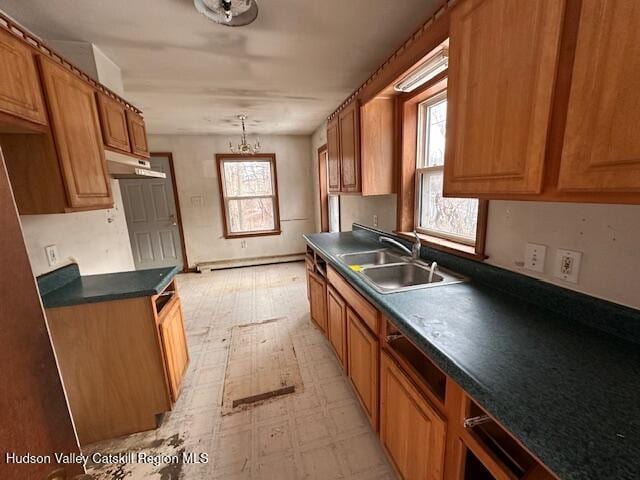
{"x":287,"y":71}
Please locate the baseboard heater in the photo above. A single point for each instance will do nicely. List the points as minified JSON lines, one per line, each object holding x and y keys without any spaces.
{"x":248,"y":262}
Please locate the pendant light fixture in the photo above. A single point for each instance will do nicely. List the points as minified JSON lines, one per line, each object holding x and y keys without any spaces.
{"x":232,"y":13}
{"x":244,"y":147}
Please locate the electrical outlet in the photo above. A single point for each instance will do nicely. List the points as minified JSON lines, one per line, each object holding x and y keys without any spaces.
{"x":534,"y":257}
{"x":243,"y":244}
{"x":567,"y":265}
{"x":375,"y":220}
{"x":52,"y":254}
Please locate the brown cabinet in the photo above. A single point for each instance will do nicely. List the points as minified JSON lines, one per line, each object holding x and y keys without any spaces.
{"x":601,"y":150}
{"x":411,"y":431}
{"x":113,"y":119}
{"x":337,"y":324}
{"x":349,"y":121}
{"x":137,"y":134}
{"x":360,"y":148}
{"x":318,"y":299}
{"x":77,"y":137}
{"x":174,"y":346}
{"x":502,"y":69}
{"x":20,"y":93}
{"x":362,"y":354}
{"x":333,"y":155}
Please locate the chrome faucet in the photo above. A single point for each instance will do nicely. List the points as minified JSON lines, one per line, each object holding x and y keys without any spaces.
{"x":415,"y":248}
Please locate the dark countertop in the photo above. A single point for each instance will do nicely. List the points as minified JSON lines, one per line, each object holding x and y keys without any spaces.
{"x":568,"y":392}
{"x":65,"y":286}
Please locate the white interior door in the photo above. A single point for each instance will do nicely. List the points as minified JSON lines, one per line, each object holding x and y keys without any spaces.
{"x":150,"y":208}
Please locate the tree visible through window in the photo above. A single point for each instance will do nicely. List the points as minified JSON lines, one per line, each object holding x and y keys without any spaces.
{"x":249,"y":194}
{"x":451,"y":218}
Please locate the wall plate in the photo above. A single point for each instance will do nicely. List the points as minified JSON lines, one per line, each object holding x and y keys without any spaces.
{"x":534,"y":257}
{"x":567,"y":265}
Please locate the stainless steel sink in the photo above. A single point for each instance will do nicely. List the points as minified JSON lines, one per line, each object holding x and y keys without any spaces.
{"x":408,"y":276}
{"x":373,"y":257}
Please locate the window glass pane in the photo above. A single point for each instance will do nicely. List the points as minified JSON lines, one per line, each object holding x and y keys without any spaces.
{"x":251,"y":215}
{"x":250,"y":178}
{"x":436,"y":126}
{"x":449,"y":216}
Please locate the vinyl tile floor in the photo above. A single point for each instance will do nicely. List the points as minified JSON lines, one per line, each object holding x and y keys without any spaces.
{"x":320,"y":433}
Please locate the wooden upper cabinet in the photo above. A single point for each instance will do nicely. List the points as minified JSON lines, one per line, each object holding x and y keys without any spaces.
{"x":350,"y":147}
{"x":76,"y":132}
{"x":601,"y":150}
{"x":502,"y":70}
{"x":113,"y":120}
{"x":362,"y":354}
{"x":333,"y":155}
{"x":411,"y":431}
{"x":137,"y":134}
{"x":20,"y":93}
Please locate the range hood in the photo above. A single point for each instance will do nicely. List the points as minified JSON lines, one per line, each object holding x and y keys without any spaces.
{"x":125,"y":166}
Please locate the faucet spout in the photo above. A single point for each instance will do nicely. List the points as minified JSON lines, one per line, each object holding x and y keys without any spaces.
{"x":382,"y":239}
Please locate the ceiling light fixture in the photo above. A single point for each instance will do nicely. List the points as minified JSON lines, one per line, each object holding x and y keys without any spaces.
{"x":232,"y":13}
{"x":432,"y":66}
{"x":244,"y":147}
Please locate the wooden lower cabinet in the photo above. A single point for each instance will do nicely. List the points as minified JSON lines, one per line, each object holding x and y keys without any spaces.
{"x":411,"y":431}
{"x":318,"y":299}
{"x":337,"y":324}
{"x":174,"y":346}
{"x":363,"y":354}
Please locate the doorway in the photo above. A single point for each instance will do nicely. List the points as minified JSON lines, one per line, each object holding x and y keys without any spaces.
{"x":153,"y":217}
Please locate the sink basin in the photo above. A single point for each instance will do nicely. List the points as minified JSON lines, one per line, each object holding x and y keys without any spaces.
{"x":373,"y":257}
{"x":407,"y":276}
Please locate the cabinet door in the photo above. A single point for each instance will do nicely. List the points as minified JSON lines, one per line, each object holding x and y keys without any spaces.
{"x":362,"y":354}
{"x":350,"y":148}
{"x":137,"y":134}
{"x":20,"y":93}
{"x":318,"y":293}
{"x":333,"y":156}
{"x":337,"y":324}
{"x":113,"y":120}
{"x":76,"y":130}
{"x":601,"y":150}
{"x":502,"y":67}
{"x":174,"y":346}
{"x":411,"y":431}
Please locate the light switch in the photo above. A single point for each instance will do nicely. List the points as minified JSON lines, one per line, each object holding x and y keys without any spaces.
{"x":52,"y":254}
{"x":534,"y":257}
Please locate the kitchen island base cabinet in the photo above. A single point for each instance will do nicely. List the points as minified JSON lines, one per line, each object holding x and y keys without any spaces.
{"x":362,"y":354}
{"x":174,"y":346}
{"x":118,"y":372}
{"x":411,"y":431}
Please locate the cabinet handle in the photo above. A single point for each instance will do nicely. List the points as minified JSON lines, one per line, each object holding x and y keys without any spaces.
{"x":475,"y":421}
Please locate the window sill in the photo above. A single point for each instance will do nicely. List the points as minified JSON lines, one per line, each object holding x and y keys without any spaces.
{"x":230,"y":236}
{"x":448,"y":246}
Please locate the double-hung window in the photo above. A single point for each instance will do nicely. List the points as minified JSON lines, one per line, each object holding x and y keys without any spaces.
{"x":452,"y":219}
{"x":249,"y":195}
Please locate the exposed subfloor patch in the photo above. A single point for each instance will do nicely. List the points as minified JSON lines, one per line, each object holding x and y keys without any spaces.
{"x":319,"y":433}
{"x":261,"y":365}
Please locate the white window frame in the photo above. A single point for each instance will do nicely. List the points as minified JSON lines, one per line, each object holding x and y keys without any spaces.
{"x":422,"y":171}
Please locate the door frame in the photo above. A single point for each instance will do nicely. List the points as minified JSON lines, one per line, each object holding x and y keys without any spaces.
{"x":174,"y":182}
{"x":323,"y":188}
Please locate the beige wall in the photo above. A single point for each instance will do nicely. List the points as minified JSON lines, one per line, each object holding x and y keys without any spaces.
{"x":607,"y":235}
{"x":97,"y":240}
{"x":197,"y":182}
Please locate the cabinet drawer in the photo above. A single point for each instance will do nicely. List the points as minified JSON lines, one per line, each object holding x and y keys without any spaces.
{"x":357,"y":302}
